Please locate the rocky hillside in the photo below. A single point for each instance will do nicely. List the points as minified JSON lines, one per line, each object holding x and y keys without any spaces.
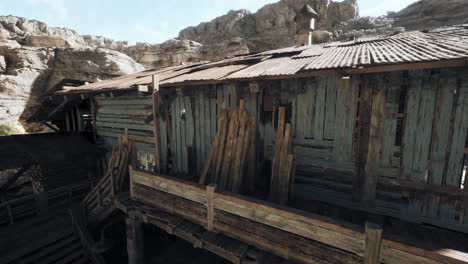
{"x":432,"y":13}
{"x":35,"y":58}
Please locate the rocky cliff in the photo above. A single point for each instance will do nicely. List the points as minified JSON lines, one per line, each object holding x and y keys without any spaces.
{"x":35,"y":58}
{"x":432,"y":13}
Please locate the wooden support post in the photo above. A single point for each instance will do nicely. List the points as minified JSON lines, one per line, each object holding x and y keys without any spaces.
{"x":373,"y":243}
{"x":42,"y":203}
{"x":210,"y":189}
{"x":134,"y":226}
{"x":79,"y":125}
{"x":67,"y":121}
{"x":156,"y":131}
{"x":98,"y":190}
{"x":92,"y":104}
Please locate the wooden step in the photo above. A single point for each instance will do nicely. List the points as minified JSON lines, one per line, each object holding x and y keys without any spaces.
{"x":46,"y":250}
{"x":64,"y":253}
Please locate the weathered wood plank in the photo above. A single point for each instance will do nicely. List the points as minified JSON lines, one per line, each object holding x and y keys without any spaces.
{"x":411,"y":123}
{"x":459,"y":135}
{"x":424,"y":127}
{"x":376,"y":132}
{"x":192,"y":194}
{"x":295,"y":226}
{"x":373,"y":243}
{"x":330,"y":108}
{"x":391,"y":111}
{"x":320,"y":109}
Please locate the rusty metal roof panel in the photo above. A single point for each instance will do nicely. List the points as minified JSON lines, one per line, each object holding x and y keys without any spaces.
{"x":214,"y":73}
{"x":272,"y":67}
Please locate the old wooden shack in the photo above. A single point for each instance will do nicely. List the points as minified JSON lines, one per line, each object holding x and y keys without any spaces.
{"x":379,"y":127}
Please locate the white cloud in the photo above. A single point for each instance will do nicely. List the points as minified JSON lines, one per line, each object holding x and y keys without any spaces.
{"x":384,"y":6}
{"x":56,"y":6}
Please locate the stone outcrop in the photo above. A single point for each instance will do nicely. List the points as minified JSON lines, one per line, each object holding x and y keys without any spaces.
{"x":34,"y":58}
{"x":270,"y":27}
{"x":427,"y":14}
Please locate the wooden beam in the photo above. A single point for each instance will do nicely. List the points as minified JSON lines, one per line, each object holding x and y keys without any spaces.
{"x":156,"y":128}
{"x":373,"y":243}
{"x":50,"y":126}
{"x":134,"y":238}
{"x":56,"y":109}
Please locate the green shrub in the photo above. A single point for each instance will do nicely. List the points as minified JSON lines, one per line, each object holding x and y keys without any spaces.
{"x":8,"y":129}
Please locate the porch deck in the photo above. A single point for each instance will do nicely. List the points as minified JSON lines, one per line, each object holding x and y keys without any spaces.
{"x":297,"y":235}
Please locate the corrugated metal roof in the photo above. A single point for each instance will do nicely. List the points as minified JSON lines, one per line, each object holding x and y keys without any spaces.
{"x":435,"y":45}
{"x":214,"y":73}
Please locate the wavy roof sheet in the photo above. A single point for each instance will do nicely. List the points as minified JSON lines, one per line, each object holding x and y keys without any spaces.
{"x":436,"y":45}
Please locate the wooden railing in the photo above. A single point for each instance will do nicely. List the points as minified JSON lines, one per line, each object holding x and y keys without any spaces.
{"x":79,"y":227}
{"x":275,"y":228}
{"x":33,"y":204}
{"x":100,"y":199}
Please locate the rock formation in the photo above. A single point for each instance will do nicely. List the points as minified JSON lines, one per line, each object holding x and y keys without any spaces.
{"x":35,"y":58}
{"x":427,"y":14}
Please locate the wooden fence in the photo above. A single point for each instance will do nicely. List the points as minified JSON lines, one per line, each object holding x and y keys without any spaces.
{"x":33,"y":204}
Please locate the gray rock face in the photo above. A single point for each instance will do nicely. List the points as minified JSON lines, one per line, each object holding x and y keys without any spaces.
{"x":272,"y":26}
{"x":427,"y":14}
{"x":34,"y":58}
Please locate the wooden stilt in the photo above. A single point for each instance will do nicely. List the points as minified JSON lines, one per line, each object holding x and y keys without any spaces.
{"x":134,"y":238}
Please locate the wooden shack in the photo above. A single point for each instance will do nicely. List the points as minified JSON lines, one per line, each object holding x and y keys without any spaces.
{"x":379,"y":126}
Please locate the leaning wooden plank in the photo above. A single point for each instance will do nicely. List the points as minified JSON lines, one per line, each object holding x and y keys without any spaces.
{"x":227,"y":164}
{"x":277,"y":151}
{"x":236,"y":179}
{"x":209,"y":161}
{"x":220,"y":150}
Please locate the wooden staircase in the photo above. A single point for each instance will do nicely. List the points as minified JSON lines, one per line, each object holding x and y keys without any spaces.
{"x":45,"y":240}
{"x":99,"y":203}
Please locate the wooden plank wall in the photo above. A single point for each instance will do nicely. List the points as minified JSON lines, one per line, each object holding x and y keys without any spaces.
{"x":114,"y":114}
{"x":420,"y":143}
{"x":420,"y":148}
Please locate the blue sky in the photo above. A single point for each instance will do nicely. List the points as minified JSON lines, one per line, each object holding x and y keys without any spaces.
{"x":152,"y":21}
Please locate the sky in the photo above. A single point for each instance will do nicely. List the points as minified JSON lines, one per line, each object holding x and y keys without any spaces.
{"x":152,"y":21}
